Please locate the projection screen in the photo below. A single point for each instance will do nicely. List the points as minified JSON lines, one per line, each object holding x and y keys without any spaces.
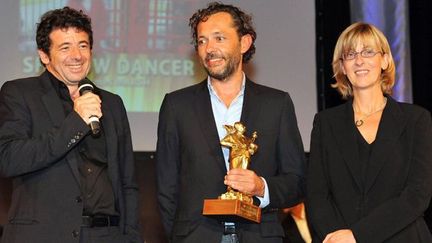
{"x":142,"y":51}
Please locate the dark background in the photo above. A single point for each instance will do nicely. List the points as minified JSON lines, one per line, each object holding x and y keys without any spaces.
{"x":331,"y":18}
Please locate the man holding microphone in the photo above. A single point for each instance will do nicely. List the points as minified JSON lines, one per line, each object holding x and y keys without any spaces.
{"x":67,"y":185}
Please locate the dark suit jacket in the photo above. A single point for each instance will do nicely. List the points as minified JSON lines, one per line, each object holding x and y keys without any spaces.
{"x":389,"y":205}
{"x":37,"y":144}
{"x":191,"y":167}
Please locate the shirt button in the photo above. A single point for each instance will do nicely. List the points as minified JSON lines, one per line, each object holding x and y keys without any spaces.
{"x":75,"y":233}
{"x":78,"y":199}
{"x":89,"y":170}
{"x":73,"y":140}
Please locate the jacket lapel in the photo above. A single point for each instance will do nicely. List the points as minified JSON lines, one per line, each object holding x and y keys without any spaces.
{"x":344,"y":133}
{"x":251,"y":111}
{"x":204,"y":113}
{"x":251,"y":106}
{"x":391,"y":126}
{"x":56,"y":114}
{"x":51,"y":101}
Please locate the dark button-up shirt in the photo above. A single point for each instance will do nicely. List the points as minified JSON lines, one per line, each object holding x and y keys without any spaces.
{"x":97,"y":193}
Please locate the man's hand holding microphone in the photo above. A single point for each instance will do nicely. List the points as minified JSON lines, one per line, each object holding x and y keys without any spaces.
{"x":88,"y":105}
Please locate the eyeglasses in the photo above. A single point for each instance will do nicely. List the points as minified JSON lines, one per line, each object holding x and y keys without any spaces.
{"x":367,"y":53}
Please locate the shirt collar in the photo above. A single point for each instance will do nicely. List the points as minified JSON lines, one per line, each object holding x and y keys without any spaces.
{"x":213,"y":92}
{"x":60,"y":87}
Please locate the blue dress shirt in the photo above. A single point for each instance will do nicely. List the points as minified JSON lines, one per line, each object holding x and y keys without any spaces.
{"x":228,"y":116}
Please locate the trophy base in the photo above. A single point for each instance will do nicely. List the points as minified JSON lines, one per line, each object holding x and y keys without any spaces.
{"x":231,"y":210}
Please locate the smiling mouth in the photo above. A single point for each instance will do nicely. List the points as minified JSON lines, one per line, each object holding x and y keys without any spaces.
{"x":214,"y":61}
{"x":361,"y":72}
{"x":76,"y":66}
{"x":213,"y":57}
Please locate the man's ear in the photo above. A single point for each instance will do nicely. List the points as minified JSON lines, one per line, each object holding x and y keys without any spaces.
{"x":44,"y":57}
{"x":245,"y":42}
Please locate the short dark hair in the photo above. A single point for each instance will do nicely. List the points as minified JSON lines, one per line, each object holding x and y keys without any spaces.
{"x":61,"y":18}
{"x":242,"y":22}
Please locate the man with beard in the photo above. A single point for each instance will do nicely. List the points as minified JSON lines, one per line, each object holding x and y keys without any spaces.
{"x":192,"y":165}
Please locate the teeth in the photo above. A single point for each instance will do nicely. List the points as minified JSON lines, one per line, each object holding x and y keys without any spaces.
{"x":76,"y":67}
{"x":361,"y":72}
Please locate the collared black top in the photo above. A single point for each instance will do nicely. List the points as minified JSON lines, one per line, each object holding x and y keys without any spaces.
{"x":96,"y":189}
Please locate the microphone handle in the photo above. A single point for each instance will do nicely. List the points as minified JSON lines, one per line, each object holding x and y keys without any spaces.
{"x":94,"y":124}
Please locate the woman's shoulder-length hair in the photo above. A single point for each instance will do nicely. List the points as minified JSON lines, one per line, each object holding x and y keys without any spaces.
{"x":371,"y":36}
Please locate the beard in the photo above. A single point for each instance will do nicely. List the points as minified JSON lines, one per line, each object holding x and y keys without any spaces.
{"x":232,"y":63}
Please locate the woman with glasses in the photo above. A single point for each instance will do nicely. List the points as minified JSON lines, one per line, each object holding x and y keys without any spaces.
{"x":370,"y":168}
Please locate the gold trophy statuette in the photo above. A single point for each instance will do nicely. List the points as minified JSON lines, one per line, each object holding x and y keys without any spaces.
{"x":234,"y":205}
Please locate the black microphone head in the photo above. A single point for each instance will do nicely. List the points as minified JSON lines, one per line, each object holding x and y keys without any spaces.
{"x":85,"y":86}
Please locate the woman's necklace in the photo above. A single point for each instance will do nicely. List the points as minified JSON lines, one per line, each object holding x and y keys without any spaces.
{"x":361,"y":120}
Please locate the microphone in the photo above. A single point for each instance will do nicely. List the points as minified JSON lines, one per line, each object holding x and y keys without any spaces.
{"x":85,"y":86}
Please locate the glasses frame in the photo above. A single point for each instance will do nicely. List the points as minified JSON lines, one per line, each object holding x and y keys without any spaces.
{"x":366,"y":53}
